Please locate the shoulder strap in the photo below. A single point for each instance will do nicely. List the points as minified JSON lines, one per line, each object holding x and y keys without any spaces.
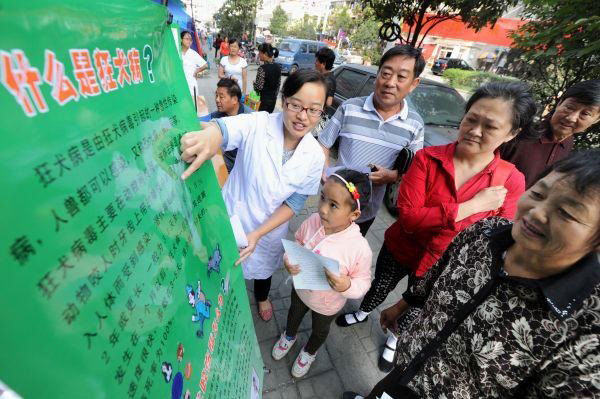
{"x":501,"y":173}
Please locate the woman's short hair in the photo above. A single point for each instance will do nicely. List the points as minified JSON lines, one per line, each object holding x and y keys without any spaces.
{"x":185,"y":32}
{"x":233,"y":40}
{"x":518,"y":94}
{"x":296,"y":80}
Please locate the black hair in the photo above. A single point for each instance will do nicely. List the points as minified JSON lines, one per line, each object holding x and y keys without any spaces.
{"x":296,"y":80}
{"x":520,"y":97}
{"x":405,"y":50}
{"x":586,"y":92}
{"x":581,"y":166}
{"x":269,"y":50}
{"x":361,"y":182}
{"x":233,"y":40}
{"x":233,"y":89}
{"x":583,"y":169}
{"x":326,"y":56}
{"x":185,"y":32}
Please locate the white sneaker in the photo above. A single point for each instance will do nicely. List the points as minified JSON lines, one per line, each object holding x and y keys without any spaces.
{"x":302,"y":363}
{"x":282,"y":347}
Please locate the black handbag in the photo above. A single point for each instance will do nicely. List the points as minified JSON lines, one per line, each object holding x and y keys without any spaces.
{"x":403,"y":161}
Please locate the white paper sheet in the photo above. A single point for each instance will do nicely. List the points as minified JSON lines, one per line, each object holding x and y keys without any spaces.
{"x":312,"y":273}
{"x":238,"y":232}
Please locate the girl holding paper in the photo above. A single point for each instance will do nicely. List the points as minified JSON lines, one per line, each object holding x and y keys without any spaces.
{"x":331,"y":233}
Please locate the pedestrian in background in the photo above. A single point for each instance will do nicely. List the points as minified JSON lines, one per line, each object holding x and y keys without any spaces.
{"x":224,"y":48}
{"x":235,"y":67}
{"x":324,"y":59}
{"x":217,"y":46}
{"x":193,"y":63}
{"x":268,"y":77}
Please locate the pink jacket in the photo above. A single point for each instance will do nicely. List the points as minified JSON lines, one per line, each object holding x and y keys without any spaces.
{"x":354,"y":255}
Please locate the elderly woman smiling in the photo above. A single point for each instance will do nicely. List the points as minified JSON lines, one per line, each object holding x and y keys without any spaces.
{"x":510,"y":310}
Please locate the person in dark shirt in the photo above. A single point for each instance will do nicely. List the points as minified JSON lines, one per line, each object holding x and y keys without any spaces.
{"x":324,"y":59}
{"x":227,"y":97}
{"x":268,"y":77}
{"x":577,"y":110}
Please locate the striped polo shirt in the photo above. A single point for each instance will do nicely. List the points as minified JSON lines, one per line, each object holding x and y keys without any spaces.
{"x":366,"y":138}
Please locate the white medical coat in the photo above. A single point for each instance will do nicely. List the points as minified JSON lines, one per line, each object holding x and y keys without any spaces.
{"x":191,"y":62}
{"x":259,"y":183}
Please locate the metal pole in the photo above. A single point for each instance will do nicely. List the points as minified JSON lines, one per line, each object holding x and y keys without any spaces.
{"x":195,"y":100}
{"x":193,"y":18}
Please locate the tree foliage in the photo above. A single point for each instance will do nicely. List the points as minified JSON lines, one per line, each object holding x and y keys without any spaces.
{"x":279,"y":22}
{"x":340,"y":18}
{"x":558,"y":47}
{"x":236,"y":16}
{"x":366,"y":38}
{"x":423,"y":15}
{"x":306,"y":28}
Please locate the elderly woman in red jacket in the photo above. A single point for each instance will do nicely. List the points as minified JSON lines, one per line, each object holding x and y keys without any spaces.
{"x":448,"y":188}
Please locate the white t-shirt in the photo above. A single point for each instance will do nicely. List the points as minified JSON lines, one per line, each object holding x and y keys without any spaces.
{"x":191,"y":62}
{"x":234,"y":70}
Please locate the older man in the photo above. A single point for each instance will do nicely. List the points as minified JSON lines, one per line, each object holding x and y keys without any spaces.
{"x":511,"y":310}
{"x":374,"y":129}
{"x":577,"y":110}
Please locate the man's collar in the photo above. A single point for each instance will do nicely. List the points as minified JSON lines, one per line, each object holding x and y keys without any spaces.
{"x":564,"y":292}
{"x":370,"y":107}
{"x":548,"y":138}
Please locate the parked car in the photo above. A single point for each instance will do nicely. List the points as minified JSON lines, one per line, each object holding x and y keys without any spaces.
{"x":440,"y":106}
{"x":297,"y":53}
{"x":442,"y":64}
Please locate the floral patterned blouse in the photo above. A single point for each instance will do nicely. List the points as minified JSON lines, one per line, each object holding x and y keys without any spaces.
{"x":475,"y":332}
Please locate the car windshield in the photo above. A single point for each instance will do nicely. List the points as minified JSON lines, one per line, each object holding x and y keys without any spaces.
{"x":438,"y":105}
{"x":289,"y":46}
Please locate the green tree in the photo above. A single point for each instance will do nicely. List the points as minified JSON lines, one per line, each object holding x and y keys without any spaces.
{"x":236,"y":16}
{"x":365,"y":38}
{"x":306,"y":28}
{"x":279,"y":22}
{"x":423,"y":15}
{"x":340,"y":18}
{"x":558,"y":47}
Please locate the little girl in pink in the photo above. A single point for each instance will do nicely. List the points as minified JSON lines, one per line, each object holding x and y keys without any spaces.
{"x":332,"y":233}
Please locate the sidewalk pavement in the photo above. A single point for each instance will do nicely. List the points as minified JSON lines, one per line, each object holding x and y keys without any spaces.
{"x":348,"y":360}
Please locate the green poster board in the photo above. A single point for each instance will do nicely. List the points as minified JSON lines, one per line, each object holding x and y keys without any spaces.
{"x":116,"y":277}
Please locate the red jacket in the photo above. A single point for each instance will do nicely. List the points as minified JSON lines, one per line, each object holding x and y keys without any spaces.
{"x":428,"y":205}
